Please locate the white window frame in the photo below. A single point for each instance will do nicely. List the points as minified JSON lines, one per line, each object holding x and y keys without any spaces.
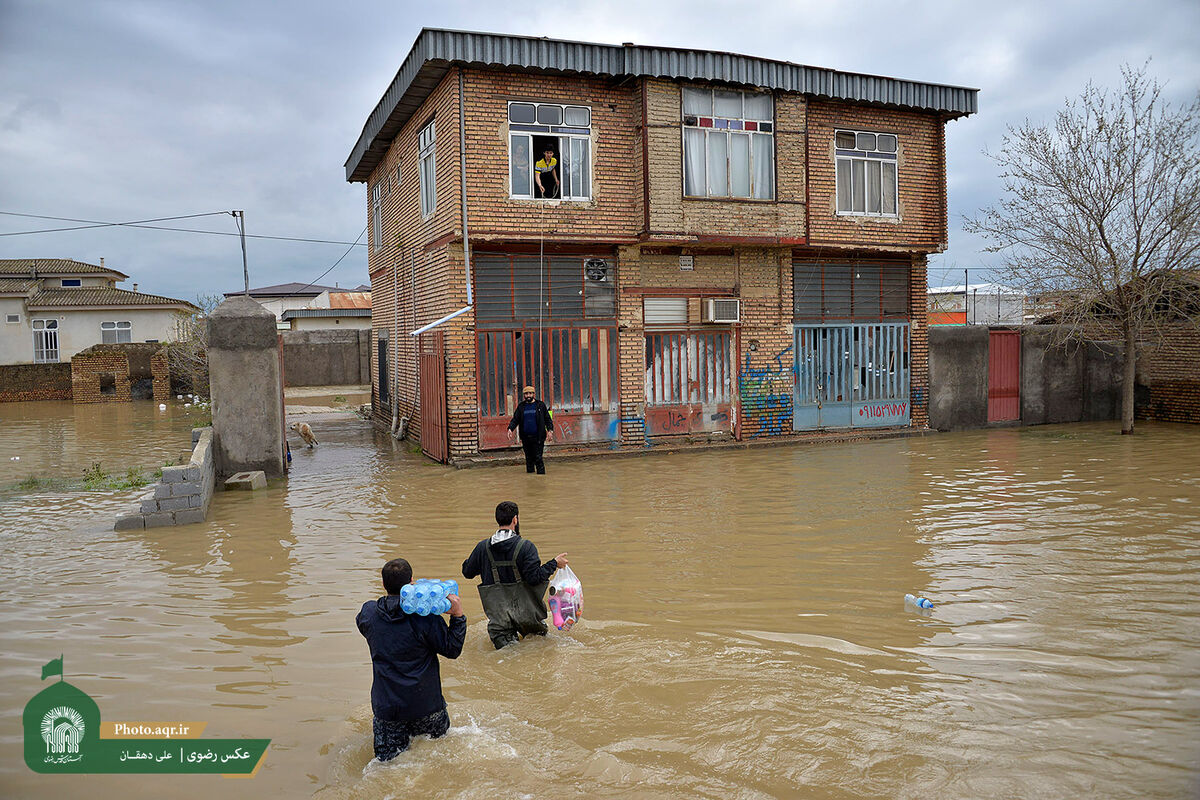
{"x":116,"y":329}
{"x":427,"y":168}
{"x":567,"y":143}
{"x":75,"y":283}
{"x":728,"y":133}
{"x":12,"y":318}
{"x":846,"y":159}
{"x":377,"y":215}
{"x":45,"y":333}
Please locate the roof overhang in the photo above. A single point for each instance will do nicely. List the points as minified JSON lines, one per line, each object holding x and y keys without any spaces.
{"x":436,"y":51}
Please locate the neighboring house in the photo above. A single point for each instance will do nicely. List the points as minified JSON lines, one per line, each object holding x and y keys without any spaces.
{"x":661,"y":241}
{"x":284,"y":296}
{"x":55,"y":307}
{"x":335,"y":308}
{"x":976,"y":304}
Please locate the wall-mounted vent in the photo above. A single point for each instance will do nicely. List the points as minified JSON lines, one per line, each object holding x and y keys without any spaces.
{"x":596,"y":269}
{"x":722,"y":310}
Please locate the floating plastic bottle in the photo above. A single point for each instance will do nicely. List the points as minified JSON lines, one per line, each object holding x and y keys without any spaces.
{"x":919,"y":602}
{"x":424,"y":596}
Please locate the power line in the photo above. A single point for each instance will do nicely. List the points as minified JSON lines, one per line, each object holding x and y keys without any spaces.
{"x":326,"y":272}
{"x":141,"y":224}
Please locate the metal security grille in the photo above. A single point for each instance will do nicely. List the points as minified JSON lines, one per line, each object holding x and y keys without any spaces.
{"x":688,"y":368}
{"x":852,"y":375}
{"x":527,"y":289}
{"x":850,"y":291}
{"x":572,"y":369}
{"x":880,"y":354}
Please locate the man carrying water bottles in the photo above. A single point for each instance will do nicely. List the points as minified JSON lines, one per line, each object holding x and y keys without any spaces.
{"x":511,"y":580}
{"x":406,"y":693}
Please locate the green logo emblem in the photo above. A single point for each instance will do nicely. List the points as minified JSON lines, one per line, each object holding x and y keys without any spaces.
{"x":64,"y":733}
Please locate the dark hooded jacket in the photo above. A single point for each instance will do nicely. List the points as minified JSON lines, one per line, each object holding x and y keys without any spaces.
{"x":531,"y":570}
{"x":404,"y":657}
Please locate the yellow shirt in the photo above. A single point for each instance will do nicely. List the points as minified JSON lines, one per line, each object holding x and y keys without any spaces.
{"x":542,"y":166}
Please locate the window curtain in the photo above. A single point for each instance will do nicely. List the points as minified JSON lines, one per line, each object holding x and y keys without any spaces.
{"x":718,"y":164}
{"x":694,"y":175}
{"x":764,"y":167}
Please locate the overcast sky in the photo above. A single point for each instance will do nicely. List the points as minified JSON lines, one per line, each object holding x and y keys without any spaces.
{"x":118,"y":111}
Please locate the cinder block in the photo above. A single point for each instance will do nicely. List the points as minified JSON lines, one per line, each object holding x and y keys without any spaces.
{"x":164,"y":490}
{"x":194,"y":501}
{"x":150,"y":506}
{"x":186,"y":489}
{"x":173,"y":504}
{"x":160,"y":520}
{"x":174,"y":474}
{"x":255,"y":479}
{"x":130,"y":522}
{"x":193,"y":473}
{"x":190,"y":516}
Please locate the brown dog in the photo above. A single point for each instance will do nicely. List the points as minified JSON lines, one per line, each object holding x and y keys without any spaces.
{"x":305,"y":432}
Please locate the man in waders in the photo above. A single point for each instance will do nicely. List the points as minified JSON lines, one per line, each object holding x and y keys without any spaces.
{"x":511,"y":580}
{"x":532,"y":419}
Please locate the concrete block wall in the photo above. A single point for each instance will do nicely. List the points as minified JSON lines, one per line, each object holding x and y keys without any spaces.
{"x":183,"y":494}
{"x":25,"y":382}
{"x":326,"y":357}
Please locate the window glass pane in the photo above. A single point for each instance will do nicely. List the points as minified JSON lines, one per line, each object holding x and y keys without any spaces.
{"x":718,"y":164}
{"x":844,"y":140}
{"x":519,"y":165}
{"x":694,"y":180}
{"x":580,"y":168}
{"x":125,"y":325}
{"x":888,"y":188}
{"x":727,"y":104}
{"x":858,"y":169}
{"x":549,"y":115}
{"x":739,"y":164}
{"x":578,"y":116}
{"x":758,"y":105}
{"x":108,"y":325}
{"x":886,"y":143}
{"x":764,"y":166}
{"x":844,"y":202}
{"x":866,"y":141}
{"x":51,"y":324}
{"x":697,"y":101}
{"x":521,"y":112}
{"x":564,"y":170}
{"x":873,"y":187}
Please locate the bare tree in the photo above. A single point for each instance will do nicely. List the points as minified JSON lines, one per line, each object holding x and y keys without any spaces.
{"x":1102,"y":209}
{"x":187,"y":350}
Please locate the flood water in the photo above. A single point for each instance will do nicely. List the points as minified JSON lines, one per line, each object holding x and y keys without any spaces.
{"x":745,"y":632}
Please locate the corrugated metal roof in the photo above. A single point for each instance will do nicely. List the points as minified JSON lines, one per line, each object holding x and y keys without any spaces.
{"x":350,"y":300}
{"x":287,"y":290}
{"x":293,"y":313}
{"x":436,"y":49}
{"x":52,"y":266}
{"x":100,"y":297}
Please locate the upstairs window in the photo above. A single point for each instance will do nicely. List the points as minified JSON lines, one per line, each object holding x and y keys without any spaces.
{"x":377,"y":215}
{"x":866,"y":173}
{"x":116,"y":332}
{"x":69,"y":283}
{"x":425,"y":153}
{"x":549,"y":151}
{"x":728,"y":144}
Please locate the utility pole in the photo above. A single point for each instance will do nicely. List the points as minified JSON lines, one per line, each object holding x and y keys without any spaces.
{"x":240,"y":218}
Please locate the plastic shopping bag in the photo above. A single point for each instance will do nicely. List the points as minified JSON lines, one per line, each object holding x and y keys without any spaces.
{"x":566,"y":599}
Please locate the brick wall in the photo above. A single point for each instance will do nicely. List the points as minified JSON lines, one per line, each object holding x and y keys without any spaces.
{"x":672,"y":216}
{"x":1170,"y":371}
{"x":921,"y":167}
{"x":117,"y":367}
{"x":24,"y":382}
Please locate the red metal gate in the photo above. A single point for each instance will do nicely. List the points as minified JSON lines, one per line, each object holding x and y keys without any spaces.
{"x":1004,"y":376}
{"x":689,"y":382}
{"x":434,"y":442}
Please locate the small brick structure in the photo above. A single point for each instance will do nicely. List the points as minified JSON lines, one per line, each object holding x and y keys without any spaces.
{"x":27,"y":382}
{"x":1170,"y":374}
{"x":107,"y":373}
{"x":182,"y":496}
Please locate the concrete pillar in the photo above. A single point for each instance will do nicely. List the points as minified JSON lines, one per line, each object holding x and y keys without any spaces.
{"x":246,"y":385}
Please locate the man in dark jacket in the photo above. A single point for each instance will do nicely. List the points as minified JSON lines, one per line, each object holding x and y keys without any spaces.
{"x":406,"y":694}
{"x":533,"y":422}
{"x":511,"y":580}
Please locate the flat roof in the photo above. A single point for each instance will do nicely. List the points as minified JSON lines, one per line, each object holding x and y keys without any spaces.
{"x":436,"y":50}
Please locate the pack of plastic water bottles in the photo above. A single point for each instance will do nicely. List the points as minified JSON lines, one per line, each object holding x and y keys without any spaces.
{"x":424,"y":596}
{"x":566,"y":599}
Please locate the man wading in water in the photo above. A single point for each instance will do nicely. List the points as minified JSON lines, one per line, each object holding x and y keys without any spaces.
{"x":511,"y":580}
{"x":533,"y":420}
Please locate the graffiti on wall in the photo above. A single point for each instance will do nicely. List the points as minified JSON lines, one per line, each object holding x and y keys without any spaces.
{"x":766,"y":395}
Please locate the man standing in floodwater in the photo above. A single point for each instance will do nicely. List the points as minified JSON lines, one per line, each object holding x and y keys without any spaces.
{"x":406,"y":693}
{"x":511,"y":580}
{"x":533,"y":421}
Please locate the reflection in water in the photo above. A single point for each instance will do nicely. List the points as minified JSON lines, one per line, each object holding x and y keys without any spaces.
{"x":746,"y":634}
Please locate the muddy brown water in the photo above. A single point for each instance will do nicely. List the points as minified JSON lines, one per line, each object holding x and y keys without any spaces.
{"x":745,"y":633}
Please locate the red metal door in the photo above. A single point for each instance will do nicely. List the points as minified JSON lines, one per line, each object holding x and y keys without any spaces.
{"x":434,"y":442}
{"x":1004,"y":376}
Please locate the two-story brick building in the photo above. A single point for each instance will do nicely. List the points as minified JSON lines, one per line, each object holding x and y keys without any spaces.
{"x":662,"y":241}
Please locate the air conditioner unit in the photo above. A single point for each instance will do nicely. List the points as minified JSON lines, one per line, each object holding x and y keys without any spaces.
{"x":722,"y":310}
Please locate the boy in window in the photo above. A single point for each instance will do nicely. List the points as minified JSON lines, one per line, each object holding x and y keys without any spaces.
{"x":547,"y":166}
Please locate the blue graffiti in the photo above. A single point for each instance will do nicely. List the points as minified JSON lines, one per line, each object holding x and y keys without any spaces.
{"x":766,"y":407}
{"x":614,"y":430}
